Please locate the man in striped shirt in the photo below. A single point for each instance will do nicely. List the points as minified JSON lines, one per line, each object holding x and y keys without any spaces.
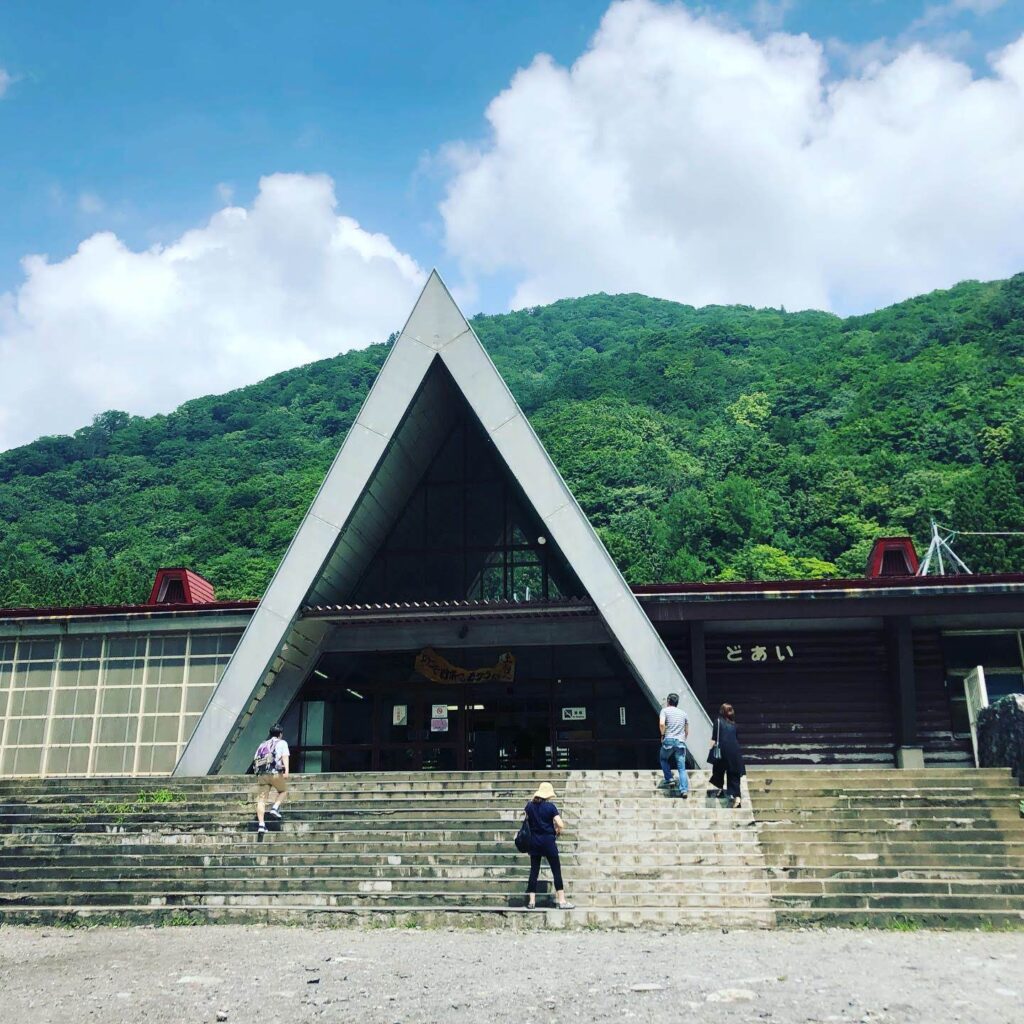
{"x":674,"y":731}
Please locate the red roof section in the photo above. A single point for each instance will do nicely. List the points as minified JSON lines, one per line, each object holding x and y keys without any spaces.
{"x":892,"y":557}
{"x":194,"y":588}
{"x":857,"y":583}
{"x":65,"y":612}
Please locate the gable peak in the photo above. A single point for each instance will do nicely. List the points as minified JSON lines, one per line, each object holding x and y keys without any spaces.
{"x":436,"y":319}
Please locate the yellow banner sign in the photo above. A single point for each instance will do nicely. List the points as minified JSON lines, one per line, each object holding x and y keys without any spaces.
{"x":440,"y":670}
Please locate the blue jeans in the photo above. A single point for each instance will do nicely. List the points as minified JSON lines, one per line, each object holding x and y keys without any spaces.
{"x":674,"y":751}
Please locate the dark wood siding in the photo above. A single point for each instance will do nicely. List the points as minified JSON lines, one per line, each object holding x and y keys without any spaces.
{"x":827,"y":702}
{"x":934,"y":724}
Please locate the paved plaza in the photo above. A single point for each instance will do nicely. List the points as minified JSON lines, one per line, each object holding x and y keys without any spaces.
{"x":191,"y":975}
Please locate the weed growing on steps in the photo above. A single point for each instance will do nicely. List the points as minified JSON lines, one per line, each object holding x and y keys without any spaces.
{"x":144,"y":801}
{"x":901,"y":924}
{"x":179,"y":919}
{"x":123,"y":809}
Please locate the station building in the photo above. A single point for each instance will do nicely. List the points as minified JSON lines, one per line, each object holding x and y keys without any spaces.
{"x":445,"y":605}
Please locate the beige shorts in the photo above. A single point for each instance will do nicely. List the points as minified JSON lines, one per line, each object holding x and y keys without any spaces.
{"x":268,"y":782}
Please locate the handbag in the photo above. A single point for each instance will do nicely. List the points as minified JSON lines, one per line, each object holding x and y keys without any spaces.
{"x":715,"y":753}
{"x":522,"y":839}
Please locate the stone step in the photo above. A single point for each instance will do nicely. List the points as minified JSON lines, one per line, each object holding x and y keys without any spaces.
{"x":725,"y":887}
{"x":497,"y":835}
{"x":677,"y":815}
{"x":390,"y":900}
{"x":285,"y":845}
{"x":903,"y":871}
{"x":897,"y":885}
{"x":790,"y":832}
{"x":917,"y":806}
{"x":918,"y":917}
{"x":71,"y":858}
{"x":426,"y":917}
{"x":1007,"y":823}
{"x":902,"y":901}
{"x":28,"y":876}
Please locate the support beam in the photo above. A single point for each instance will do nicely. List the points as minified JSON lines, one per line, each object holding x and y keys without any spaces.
{"x":698,"y":676}
{"x":909,"y":753}
{"x":411,"y":636}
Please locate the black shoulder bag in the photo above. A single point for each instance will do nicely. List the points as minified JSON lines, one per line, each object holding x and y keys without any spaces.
{"x":522,"y":839}
{"x":715,"y":754}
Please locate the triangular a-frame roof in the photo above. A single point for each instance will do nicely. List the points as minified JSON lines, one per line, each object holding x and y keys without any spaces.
{"x":369,"y":479}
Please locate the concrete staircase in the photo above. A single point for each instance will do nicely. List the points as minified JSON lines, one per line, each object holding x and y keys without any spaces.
{"x":392,"y":848}
{"x":942,"y":847}
{"x":874,"y":846}
{"x":643,"y":857}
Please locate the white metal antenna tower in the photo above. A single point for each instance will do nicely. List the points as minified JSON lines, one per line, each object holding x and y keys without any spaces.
{"x":939,"y":546}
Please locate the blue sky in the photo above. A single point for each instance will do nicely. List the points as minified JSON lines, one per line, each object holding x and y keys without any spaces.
{"x":148,"y":107}
{"x":143,"y":120}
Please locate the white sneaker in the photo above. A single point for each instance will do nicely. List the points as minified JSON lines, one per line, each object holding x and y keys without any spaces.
{"x":261,"y":829}
{"x":273,"y":812}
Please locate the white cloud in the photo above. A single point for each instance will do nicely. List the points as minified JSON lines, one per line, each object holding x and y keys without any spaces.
{"x":769,"y":15}
{"x":252,"y":292}
{"x":89,"y":203}
{"x":684,"y":158}
{"x":936,"y":13}
{"x":5,"y":81}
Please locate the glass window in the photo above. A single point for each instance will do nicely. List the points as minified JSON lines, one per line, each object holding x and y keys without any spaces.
{"x":161,"y":700}
{"x":159,"y":729}
{"x":214,"y":643}
{"x":71,"y":730}
{"x":32,"y":674}
{"x":78,"y":673}
{"x":67,"y":761}
{"x":114,"y":760}
{"x":124,"y":673}
{"x":166,"y":672}
{"x":204,"y":673}
{"x":197,"y":697}
{"x":80,"y":647}
{"x":37,"y":650}
{"x":992,"y":650}
{"x":26,"y":732}
{"x":1000,"y":684}
{"x":117,"y":730}
{"x":29,"y":702}
{"x":166,"y":646}
{"x":75,"y":702}
{"x":126,"y":647}
{"x":121,"y":700}
{"x":28,"y":761}
{"x":157,"y":759}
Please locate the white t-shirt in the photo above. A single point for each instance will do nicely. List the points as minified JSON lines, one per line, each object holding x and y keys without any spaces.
{"x":674,"y":720}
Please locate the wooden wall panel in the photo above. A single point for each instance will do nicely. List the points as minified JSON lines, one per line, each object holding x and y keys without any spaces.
{"x":814,"y":698}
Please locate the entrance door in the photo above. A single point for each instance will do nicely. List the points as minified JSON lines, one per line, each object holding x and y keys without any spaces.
{"x":508,"y":730}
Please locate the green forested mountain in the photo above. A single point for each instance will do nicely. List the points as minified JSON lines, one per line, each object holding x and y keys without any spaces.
{"x":723,"y":442}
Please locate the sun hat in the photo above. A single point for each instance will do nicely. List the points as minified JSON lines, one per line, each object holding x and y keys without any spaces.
{"x":545,"y":791}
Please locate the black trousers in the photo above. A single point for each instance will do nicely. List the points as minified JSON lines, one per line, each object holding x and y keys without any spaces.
{"x":549,"y":852}
{"x":718,"y":777}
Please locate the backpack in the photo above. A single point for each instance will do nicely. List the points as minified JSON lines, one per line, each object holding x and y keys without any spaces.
{"x":265,"y":761}
{"x":523,"y":836}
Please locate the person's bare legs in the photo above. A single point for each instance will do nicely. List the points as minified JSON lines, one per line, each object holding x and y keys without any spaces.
{"x":261,"y":805}
{"x":281,"y":794}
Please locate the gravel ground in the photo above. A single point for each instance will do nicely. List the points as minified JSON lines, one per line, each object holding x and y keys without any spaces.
{"x":240,"y":974}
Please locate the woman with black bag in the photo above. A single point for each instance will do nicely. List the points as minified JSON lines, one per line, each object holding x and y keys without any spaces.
{"x":726,"y":757}
{"x":545,"y":824}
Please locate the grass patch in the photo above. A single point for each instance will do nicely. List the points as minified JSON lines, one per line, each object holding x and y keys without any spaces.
{"x":144,"y":801}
